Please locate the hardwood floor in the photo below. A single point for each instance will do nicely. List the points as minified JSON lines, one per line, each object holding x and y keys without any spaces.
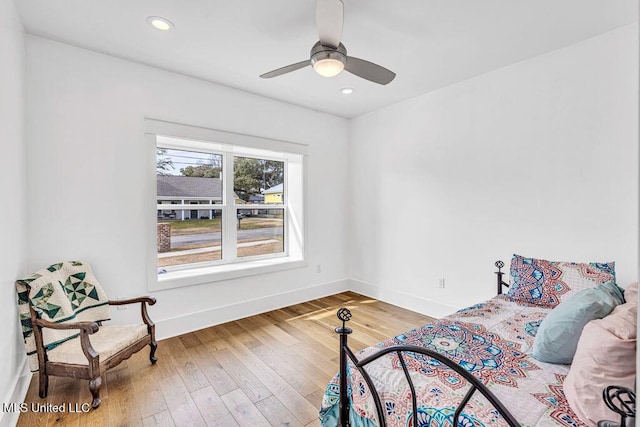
{"x":266,"y":370}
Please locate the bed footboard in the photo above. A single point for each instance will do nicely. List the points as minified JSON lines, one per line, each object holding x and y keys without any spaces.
{"x":344,"y":315}
{"x":346,"y":354}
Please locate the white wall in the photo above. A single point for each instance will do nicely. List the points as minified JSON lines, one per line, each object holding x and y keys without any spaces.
{"x":13,"y":228}
{"x":87,"y":164}
{"x":539,"y":158}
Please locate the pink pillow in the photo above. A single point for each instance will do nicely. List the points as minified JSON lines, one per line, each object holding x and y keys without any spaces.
{"x":606,"y":355}
{"x":631,"y":293}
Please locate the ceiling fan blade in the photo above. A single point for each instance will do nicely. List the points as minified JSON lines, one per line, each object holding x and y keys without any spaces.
{"x":329,"y":20}
{"x":369,"y":71}
{"x":286,"y":69}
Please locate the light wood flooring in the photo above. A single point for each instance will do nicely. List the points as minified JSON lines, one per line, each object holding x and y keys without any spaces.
{"x":265,"y":370}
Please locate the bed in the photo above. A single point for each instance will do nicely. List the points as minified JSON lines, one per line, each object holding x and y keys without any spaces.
{"x":474,"y":366}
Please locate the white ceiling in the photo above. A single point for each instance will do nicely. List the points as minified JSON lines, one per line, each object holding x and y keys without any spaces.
{"x":428,"y":43}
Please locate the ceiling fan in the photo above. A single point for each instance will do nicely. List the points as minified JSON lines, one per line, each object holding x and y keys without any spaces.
{"x":328,"y":55}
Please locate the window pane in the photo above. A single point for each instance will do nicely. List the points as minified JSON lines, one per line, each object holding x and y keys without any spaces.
{"x":258,"y":181}
{"x":260,"y":232}
{"x":189,"y":236}
{"x":188,"y":177}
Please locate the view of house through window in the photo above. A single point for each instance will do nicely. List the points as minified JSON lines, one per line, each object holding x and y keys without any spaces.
{"x":259,"y":182}
{"x":201,"y":218}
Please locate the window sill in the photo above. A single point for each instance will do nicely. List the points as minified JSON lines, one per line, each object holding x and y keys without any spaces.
{"x":202,"y":275}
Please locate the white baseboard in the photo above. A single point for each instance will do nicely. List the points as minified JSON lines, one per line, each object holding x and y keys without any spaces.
{"x":17,"y":393}
{"x":415,"y":303}
{"x":179,"y":325}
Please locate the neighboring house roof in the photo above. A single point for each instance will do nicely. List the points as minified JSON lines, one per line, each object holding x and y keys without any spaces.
{"x":256,"y":198}
{"x":275,"y":189}
{"x":189,"y":186}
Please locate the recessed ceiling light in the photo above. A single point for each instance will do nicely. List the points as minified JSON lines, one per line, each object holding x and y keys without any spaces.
{"x":160,"y":23}
{"x":346,"y":90}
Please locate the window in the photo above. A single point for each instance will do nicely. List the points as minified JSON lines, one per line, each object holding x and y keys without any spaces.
{"x":255,"y":182}
{"x":191,"y":180}
{"x":225,"y":210}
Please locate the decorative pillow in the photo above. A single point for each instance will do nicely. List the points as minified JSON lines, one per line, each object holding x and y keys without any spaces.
{"x":548,"y":283}
{"x":631,"y":293}
{"x":559,"y":332}
{"x":605,"y":356}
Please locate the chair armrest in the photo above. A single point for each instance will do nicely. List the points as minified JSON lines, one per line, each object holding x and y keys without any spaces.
{"x":143,"y":307}
{"x":146,"y":299}
{"x":87,"y":327}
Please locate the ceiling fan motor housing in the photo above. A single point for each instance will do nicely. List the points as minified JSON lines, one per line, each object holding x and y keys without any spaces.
{"x":320,"y":52}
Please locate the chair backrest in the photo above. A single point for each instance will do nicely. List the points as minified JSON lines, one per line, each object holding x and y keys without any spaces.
{"x":63,"y":292}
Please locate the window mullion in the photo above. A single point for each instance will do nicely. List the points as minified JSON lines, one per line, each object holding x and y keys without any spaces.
{"x":200,"y":206}
{"x":229,"y":220}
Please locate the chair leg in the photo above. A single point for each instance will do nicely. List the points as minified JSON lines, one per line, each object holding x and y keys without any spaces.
{"x":152,"y":354}
{"x":43,"y":380}
{"x":94,"y":387}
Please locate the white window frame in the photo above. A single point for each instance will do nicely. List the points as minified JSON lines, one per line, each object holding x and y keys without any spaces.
{"x":229,"y":145}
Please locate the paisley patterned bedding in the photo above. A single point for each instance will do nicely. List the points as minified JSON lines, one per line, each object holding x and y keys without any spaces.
{"x":492,"y":341}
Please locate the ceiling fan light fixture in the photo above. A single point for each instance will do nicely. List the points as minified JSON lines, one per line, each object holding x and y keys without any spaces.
{"x":160,"y":23}
{"x":328,"y":61}
{"x":328,"y":67}
{"x":328,"y":56}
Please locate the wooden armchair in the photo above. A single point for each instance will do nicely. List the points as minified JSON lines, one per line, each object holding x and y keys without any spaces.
{"x":62,"y":309}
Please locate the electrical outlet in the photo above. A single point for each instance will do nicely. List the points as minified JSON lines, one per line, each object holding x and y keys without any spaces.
{"x":441,"y":283}
{"x":319,"y":268}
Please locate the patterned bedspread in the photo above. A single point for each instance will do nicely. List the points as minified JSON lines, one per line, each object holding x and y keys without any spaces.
{"x":492,"y":341}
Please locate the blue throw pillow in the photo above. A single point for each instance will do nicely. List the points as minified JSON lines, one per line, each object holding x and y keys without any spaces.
{"x":559,"y":332}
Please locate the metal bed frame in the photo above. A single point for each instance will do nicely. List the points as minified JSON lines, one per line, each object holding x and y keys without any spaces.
{"x":346,"y":354}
